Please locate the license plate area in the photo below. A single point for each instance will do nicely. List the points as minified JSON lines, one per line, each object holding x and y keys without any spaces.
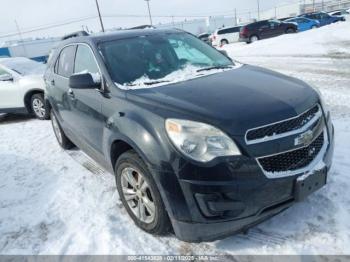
{"x":310,"y":184}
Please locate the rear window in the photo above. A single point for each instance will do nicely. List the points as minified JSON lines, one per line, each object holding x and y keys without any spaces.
{"x":24,"y":66}
{"x":229,"y":30}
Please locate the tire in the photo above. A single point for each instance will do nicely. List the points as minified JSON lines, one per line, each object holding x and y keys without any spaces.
{"x":290,"y":31}
{"x":130,"y":172}
{"x":224,"y":42}
{"x":62,"y":139}
{"x":253,"y":38}
{"x":39,"y":107}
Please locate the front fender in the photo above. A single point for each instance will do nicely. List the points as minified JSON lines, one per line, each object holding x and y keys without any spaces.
{"x":144,"y":137}
{"x":152,"y":146}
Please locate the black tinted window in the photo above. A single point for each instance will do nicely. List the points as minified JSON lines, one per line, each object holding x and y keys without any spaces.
{"x":66,"y":61}
{"x":141,"y":60}
{"x":229,"y":30}
{"x":85,"y":61}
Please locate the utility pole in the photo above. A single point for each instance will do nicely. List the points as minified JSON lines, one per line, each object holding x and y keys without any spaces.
{"x":149,"y":12}
{"x":236,"y":17}
{"x":99,"y":15}
{"x":21,"y":38}
{"x":259,"y":10}
{"x":275,"y":12}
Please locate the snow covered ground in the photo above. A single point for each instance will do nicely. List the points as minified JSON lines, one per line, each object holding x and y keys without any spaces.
{"x":57,"y":202}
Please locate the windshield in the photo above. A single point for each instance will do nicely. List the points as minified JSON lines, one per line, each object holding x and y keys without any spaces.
{"x":153,"y":59}
{"x":24,"y":66}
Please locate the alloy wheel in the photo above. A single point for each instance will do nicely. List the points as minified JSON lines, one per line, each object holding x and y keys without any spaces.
{"x":254,"y":39}
{"x":39,"y":107}
{"x":138,"y":195}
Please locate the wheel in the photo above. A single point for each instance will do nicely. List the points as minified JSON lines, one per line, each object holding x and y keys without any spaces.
{"x":224,"y":42}
{"x":39,"y":107}
{"x":253,"y":38}
{"x":62,"y":139}
{"x":290,"y":31}
{"x":140,"y":195}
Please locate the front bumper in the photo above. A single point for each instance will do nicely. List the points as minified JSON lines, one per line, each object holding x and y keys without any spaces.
{"x":212,"y":202}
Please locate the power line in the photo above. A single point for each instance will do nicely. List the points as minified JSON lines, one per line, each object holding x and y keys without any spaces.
{"x":36,"y":29}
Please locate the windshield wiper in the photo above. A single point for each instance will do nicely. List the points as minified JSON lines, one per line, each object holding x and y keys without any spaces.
{"x":155,"y":82}
{"x":214,"y":67}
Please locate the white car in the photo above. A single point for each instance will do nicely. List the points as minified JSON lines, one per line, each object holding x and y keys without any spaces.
{"x":22,"y":87}
{"x":225,"y":36}
{"x":340,"y":13}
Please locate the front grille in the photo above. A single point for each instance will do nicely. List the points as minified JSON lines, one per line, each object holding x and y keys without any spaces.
{"x":293,"y":160}
{"x":284,"y":126}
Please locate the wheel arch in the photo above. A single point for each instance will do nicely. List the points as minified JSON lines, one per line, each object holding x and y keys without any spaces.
{"x":28,"y":96}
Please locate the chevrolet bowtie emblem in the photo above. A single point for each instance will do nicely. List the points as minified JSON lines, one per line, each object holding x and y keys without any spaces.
{"x":304,"y":139}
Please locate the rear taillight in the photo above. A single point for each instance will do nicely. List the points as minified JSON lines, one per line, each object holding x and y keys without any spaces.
{"x":244,"y":31}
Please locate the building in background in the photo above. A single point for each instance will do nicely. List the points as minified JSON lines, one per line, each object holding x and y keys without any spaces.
{"x":325,"y":5}
{"x":202,"y":25}
{"x":36,"y":49}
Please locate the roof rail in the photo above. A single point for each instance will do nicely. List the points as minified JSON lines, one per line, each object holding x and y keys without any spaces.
{"x":142,"y":27}
{"x":75,"y":34}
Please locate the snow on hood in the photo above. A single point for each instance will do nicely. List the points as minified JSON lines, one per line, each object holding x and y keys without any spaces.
{"x":187,"y":73}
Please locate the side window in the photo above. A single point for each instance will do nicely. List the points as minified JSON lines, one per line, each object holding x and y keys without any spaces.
{"x":3,"y":72}
{"x":65,"y":63}
{"x":85,"y":61}
{"x":5,"y":76}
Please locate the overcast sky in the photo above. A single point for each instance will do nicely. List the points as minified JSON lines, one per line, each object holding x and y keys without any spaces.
{"x":31,"y":14}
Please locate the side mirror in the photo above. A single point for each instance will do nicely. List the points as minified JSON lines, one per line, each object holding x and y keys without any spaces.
{"x":6,"y":77}
{"x":84,"y":81}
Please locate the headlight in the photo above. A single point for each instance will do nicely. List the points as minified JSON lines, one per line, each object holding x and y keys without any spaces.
{"x":199,"y":141}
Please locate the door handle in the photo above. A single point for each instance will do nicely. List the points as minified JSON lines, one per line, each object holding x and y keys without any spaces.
{"x":52,"y":82}
{"x":71,"y":93}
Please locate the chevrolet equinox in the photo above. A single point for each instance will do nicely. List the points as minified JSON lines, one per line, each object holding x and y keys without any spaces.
{"x":200,"y":144}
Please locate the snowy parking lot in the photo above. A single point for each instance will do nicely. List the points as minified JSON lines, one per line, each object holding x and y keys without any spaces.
{"x":57,"y":202}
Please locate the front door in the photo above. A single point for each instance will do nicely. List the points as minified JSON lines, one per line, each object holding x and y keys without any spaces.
{"x":9,"y":92}
{"x":87,"y":119}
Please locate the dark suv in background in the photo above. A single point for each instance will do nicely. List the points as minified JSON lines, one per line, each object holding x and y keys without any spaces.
{"x":266,"y":29}
{"x":199,"y":144}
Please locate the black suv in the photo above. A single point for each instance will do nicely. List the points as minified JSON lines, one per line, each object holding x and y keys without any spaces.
{"x":266,"y":29}
{"x":199,"y":144}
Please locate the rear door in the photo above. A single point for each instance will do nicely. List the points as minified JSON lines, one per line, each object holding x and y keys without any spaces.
{"x":276,"y":28}
{"x":58,"y":85}
{"x":264,"y":30}
{"x":9,"y":91}
{"x":234,"y":34}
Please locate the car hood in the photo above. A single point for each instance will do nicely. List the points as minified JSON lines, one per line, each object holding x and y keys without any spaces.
{"x":234,"y":100}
